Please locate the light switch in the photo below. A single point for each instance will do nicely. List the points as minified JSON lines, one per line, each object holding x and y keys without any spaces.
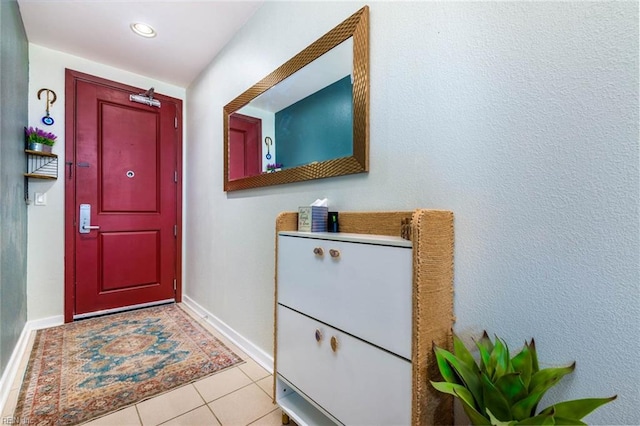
{"x":40,"y":199}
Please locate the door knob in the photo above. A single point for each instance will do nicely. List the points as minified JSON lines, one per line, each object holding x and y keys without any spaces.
{"x":334,"y":343}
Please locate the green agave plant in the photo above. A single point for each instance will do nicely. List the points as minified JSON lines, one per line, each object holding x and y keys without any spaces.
{"x":505,"y":391}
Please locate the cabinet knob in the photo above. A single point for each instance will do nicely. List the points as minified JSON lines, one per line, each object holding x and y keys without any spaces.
{"x":318,"y":251}
{"x":334,"y":253}
{"x":318,"y":335}
{"x":334,"y":343}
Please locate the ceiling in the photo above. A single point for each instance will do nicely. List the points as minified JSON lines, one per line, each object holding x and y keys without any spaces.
{"x":190,"y":33}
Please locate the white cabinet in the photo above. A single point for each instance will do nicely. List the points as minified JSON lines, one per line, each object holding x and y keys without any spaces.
{"x":357,"y":383}
{"x":364,"y":289}
{"x":356,"y":316}
{"x":344,"y":325}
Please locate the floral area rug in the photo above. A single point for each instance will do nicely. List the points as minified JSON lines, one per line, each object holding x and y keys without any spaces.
{"x":85,"y":369}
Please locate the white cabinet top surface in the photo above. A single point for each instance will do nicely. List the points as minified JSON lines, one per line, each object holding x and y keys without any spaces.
{"x":348,"y":237}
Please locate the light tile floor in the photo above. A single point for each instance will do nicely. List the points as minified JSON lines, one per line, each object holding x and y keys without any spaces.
{"x":237,"y":396}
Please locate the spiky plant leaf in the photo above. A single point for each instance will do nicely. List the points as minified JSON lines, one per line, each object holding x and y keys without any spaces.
{"x":468,"y":377}
{"x":485,"y":360}
{"x":485,"y":340}
{"x":548,"y":377}
{"x":499,"y":359}
{"x":526,"y":407}
{"x":456,"y":390}
{"x":577,"y":408}
{"x":475,"y":417}
{"x":499,"y":394}
{"x":461,"y":351}
{"x":496,"y":422}
{"x":534,"y":356}
{"x":494,"y":400}
{"x":540,"y":419}
{"x":523,"y":364}
{"x":485,"y":346}
{"x":511,"y":387}
{"x":445,"y":369}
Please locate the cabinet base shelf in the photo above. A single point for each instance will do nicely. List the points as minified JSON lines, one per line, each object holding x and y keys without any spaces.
{"x":299,"y":409}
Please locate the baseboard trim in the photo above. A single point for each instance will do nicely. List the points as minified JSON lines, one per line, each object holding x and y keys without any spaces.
{"x":258,"y":355}
{"x":11,"y":371}
{"x":46,"y":322}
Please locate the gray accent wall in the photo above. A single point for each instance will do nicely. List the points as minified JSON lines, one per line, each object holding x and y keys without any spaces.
{"x":14,"y":78}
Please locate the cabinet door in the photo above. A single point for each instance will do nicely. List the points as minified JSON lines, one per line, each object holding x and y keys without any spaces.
{"x":357,"y":383}
{"x":365,"y":291}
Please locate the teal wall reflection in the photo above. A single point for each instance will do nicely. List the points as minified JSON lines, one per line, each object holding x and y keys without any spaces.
{"x":318,"y":127}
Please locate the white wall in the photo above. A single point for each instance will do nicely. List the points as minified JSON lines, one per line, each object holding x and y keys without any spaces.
{"x":521,"y":117}
{"x":45,"y":253}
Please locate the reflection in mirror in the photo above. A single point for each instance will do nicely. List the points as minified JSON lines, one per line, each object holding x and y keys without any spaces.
{"x":245,"y":153}
{"x":306,"y":120}
{"x":308,"y":116}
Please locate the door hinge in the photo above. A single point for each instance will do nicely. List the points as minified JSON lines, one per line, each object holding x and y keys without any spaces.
{"x":175,"y":176}
{"x":175,"y":122}
{"x":175,"y":284}
{"x":175,"y":230}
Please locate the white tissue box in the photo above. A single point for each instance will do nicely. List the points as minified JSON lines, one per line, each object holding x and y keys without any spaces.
{"x":312,"y":219}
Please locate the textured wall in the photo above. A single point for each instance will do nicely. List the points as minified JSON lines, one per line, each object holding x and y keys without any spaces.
{"x":521,"y":117}
{"x":14,"y":69}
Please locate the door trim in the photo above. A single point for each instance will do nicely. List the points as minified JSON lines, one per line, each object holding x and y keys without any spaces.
{"x":71,"y":79}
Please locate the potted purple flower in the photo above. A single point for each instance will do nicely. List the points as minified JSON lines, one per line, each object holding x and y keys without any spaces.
{"x":274,"y":167}
{"x":39,"y":140}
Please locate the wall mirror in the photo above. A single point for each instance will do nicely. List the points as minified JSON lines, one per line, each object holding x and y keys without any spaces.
{"x":308,"y":119}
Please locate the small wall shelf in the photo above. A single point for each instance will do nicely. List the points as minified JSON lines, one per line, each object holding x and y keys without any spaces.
{"x":40,"y":165}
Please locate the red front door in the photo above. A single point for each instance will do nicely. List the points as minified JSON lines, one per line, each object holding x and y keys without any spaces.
{"x":245,"y":146}
{"x":122,"y":164}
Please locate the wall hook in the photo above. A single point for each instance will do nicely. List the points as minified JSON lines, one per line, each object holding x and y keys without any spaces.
{"x":51,"y":99}
{"x":268,"y":141}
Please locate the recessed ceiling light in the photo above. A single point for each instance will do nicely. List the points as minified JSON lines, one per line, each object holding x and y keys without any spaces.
{"x":143,"y":30}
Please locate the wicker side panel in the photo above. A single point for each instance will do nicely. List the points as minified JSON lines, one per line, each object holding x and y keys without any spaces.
{"x":379,"y":223}
{"x":432,"y":312}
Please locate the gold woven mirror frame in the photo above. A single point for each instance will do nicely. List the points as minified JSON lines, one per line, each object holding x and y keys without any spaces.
{"x":356,"y":26}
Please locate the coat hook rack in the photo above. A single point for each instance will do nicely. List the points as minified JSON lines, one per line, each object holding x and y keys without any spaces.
{"x":51,"y":99}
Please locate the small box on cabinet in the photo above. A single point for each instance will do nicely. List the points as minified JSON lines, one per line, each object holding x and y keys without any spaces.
{"x":312,"y":218}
